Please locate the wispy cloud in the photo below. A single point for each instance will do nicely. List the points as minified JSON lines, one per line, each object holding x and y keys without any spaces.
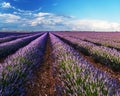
{"x":94,"y":25}
{"x":6,"y":5}
{"x":47,"y":19}
{"x":9,"y":18}
{"x":38,"y":21}
{"x":41,"y":14}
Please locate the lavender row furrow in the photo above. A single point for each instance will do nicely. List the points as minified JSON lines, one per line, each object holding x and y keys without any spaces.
{"x":105,"y":36}
{"x":78,"y":77}
{"x":10,"y":38}
{"x":104,"y":55}
{"x":12,"y":46}
{"x":7,"y":34}
{"x":17,"y":68}
{"x":102,"y":42}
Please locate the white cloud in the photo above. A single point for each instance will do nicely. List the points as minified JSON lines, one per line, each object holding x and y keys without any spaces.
{"x":18,"y":11}
{"x":47,"y":19}
{"x":41,"y":14}
{"x":9,"y":18}
{"x":36,"y":21}
{"x":6,"y":5}
{"x":94,"y":25}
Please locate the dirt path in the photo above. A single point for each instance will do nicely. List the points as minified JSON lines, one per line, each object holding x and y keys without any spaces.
{"x":2,"y":60}
{"x":43,"y":83}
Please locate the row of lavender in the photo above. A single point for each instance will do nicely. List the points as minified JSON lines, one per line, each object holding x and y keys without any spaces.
{"x":104,"y":55}
{"x":7,"y":34}
{"x":10,"y":38}
{"x":10,"y":47}
{"x":111,"y":40}
{"x":17,"y":68}
{"x":78,"y":77}
{"x":106,"y":36}
{"x":101,"y":42}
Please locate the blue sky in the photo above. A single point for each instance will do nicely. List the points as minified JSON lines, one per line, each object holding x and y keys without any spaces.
{"x":34,"y":15}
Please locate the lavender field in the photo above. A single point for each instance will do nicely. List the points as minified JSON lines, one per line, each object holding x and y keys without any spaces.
{"x":60,"y":64}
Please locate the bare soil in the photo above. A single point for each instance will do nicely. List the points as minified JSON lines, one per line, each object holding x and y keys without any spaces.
{"x":43,"y":83}
{"x":3,"y":59}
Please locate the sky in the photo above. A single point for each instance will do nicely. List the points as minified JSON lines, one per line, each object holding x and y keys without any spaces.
{"x":60,"y":15}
